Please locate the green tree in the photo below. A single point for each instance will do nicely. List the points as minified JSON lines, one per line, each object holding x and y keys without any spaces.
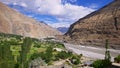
{"x":106,"y":62}
{"x":48,"y":54}
{"x":107,"y":52}
{"x":25,"y":50}
{"x":6,"y":58}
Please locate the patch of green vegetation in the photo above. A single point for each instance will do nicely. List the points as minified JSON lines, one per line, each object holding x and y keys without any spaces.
{"x":17,"y":51}
{"x":75,"y":60}
{"x":117,"y":59}
{"x":101,"y":64}
{"x":63,"y":55}
{"x":41,"y":49}
{"x":15,"y":48}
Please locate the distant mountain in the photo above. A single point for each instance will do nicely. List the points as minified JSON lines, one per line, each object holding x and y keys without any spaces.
{"x":14,"y":22}
{"x":98,"y":26}
{"x":63,"y":29}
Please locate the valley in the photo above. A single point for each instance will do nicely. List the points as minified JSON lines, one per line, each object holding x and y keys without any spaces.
{"x":92,"y":41}
{"x":24,"y":52}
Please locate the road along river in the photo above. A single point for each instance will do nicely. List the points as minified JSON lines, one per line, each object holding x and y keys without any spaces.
{"x":92,"y":52}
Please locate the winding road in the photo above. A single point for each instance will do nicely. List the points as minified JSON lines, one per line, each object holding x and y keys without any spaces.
{"x":92,"y":52}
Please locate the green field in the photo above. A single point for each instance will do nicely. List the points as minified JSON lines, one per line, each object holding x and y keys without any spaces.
{"x":18,"y":51}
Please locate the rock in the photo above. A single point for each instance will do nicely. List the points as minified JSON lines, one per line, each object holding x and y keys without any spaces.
{"x":12,"y":22}
{"x":96,"y":27}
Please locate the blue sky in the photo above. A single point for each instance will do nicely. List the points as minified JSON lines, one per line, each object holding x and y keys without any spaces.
{"x":92,"y":3}
{"x":57,"y":13}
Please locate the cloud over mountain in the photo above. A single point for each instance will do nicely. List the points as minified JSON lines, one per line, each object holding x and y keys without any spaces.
{"x":65,"y":13}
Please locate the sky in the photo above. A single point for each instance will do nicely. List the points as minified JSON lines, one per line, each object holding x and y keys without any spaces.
{"x":58,"y":13}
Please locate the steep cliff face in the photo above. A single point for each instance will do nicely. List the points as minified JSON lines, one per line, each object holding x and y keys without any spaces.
{"x":97,"y":26}
{"x":15,"y":23}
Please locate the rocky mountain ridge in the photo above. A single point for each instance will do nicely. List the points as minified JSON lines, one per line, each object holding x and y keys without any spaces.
{"x":13,"y":22}
{"x":96,"y":27}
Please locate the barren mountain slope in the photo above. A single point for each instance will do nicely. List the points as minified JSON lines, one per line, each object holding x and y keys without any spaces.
{"x":13,"y":22}
{"x":98,"y":26}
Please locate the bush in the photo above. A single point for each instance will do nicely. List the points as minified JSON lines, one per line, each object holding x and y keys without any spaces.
{"x":75,"y":60}
{"x":34,"y":56}
{"x":47,"y":55}
{"x":80,"y":55}
{"x":63,"y":55}
{"x":117,"y":59}
{"x":50,"y":63}
{"x":97,"y":64}
{"x":101,"y":64}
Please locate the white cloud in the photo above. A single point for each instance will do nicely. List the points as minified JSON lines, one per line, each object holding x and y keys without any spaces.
{"x":75,"y":12}
{"x":65,"y":13}
{"x":15,"y":4}
{"x":23,"y":4}
{"x":60,"y":24}
{"x":53,"y":7}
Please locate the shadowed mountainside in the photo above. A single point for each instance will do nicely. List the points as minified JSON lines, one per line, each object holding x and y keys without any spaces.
{"x":96,"y":27}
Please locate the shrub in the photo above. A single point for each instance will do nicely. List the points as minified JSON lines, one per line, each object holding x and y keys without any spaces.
{"x":34,"y":56}
{"x":75,"y":60}
{"x":117,"y":59}
{"x":97,"y":64}
{"x":101,"y":64}
{"x":63,"y":55}
{"x":50,"y":63}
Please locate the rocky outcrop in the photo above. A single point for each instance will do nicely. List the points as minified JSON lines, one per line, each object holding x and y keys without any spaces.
{"x":13,"y":22}
{"x":98,"y":26}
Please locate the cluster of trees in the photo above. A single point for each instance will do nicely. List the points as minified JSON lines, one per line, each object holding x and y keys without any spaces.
{"x":11,"y":59}
{"x":10,"y":36}
{"x":46,"y":56}
{"x":6,"y":55}
{"x":49,"y":57}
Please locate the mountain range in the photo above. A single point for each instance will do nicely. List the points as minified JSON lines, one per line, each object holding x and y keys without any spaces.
{"x":92,"y":29}
{"x":13,"y":22}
